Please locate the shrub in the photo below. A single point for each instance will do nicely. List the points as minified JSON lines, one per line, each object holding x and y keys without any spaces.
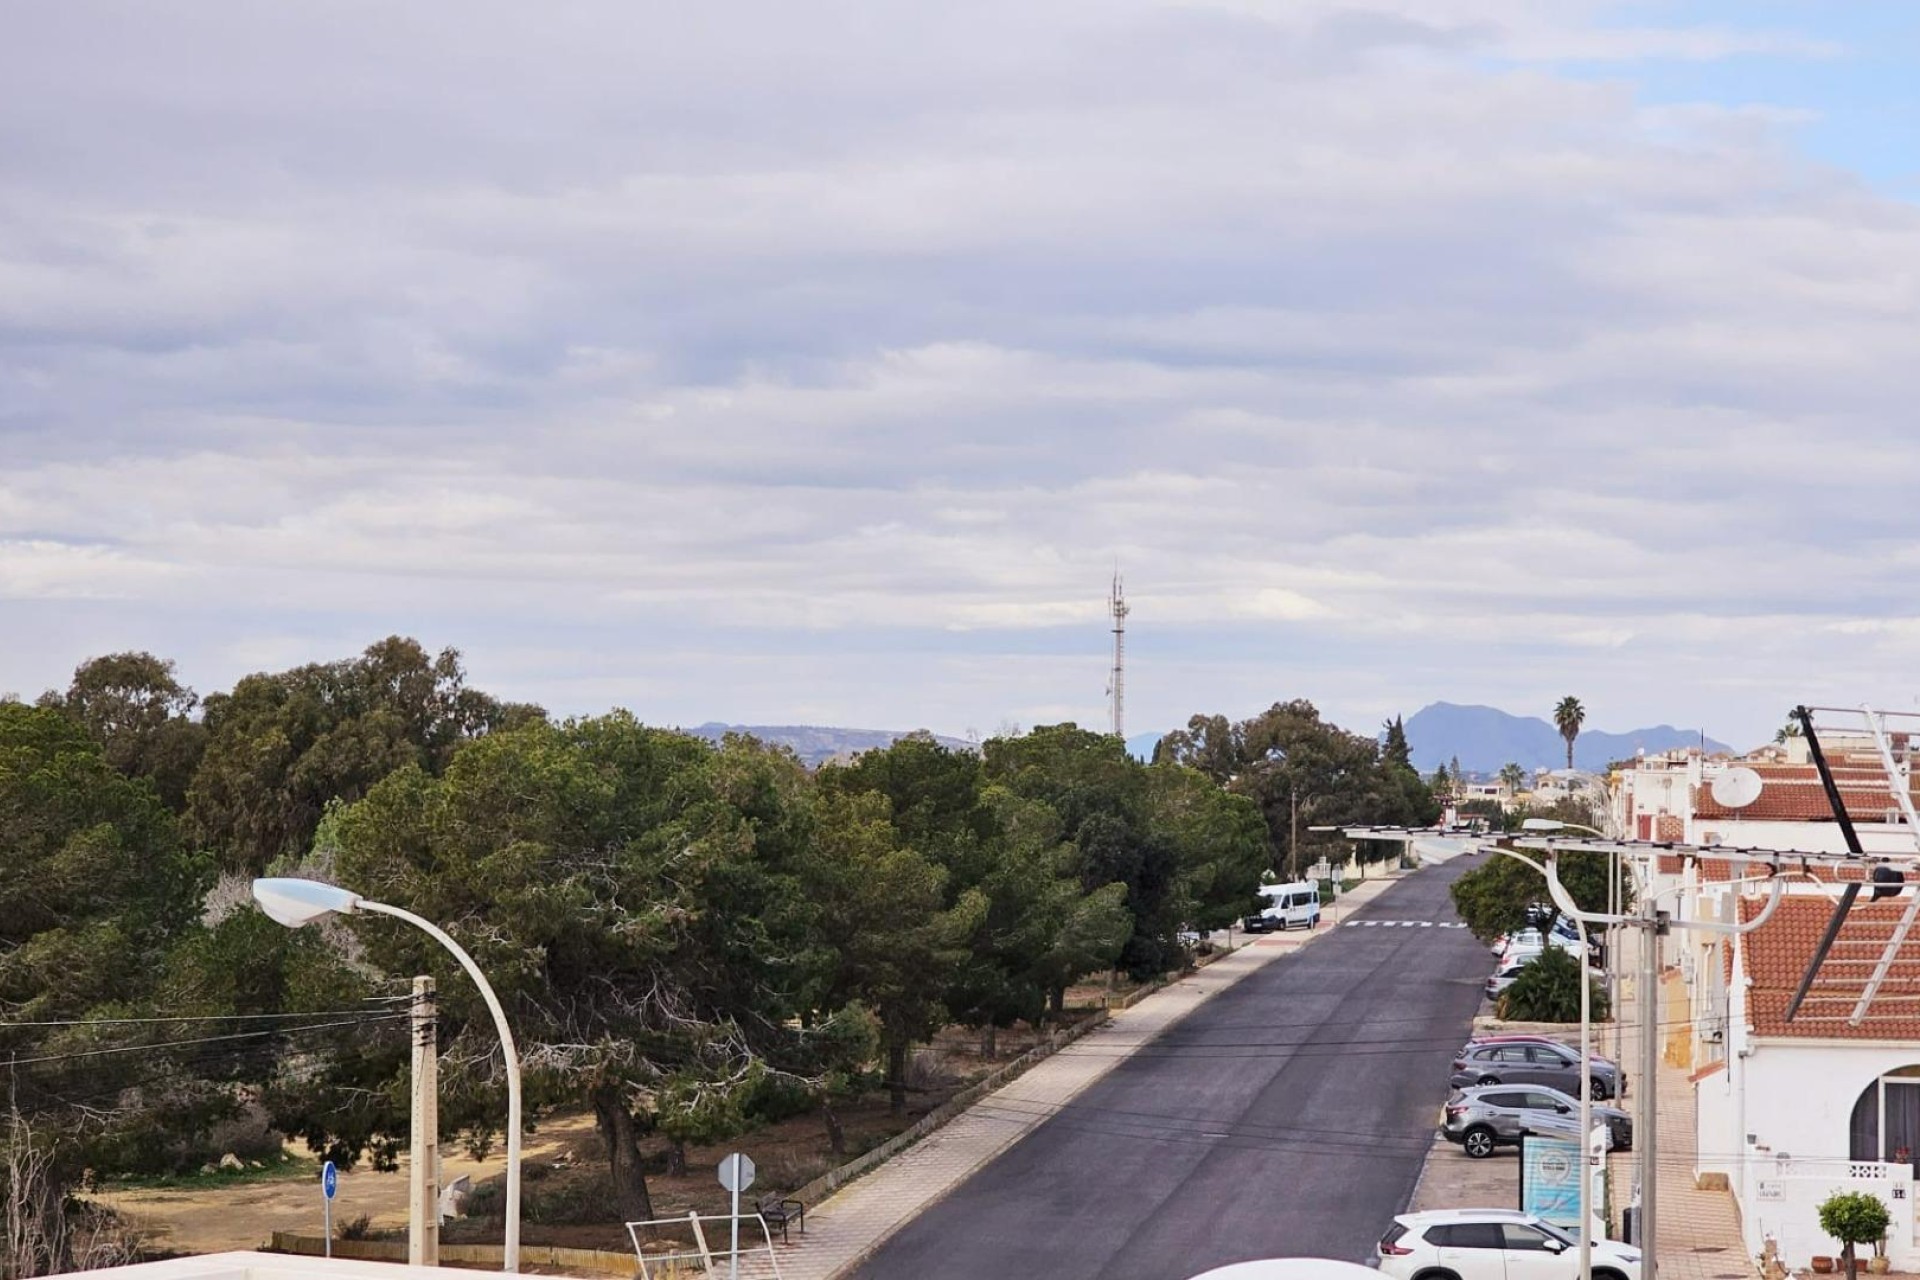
{"x":1548,"y":990}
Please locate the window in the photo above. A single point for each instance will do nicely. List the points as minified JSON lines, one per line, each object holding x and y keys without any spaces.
{"x":1504,"y":1099}
{"x":1512,"y":1053}
{"x":1523,"y":1238}
{"x":1544,"y":1101}
{"x":1475,"y":1235}
{"x":1885,"y":1125}
{"x":1548,"y":1057}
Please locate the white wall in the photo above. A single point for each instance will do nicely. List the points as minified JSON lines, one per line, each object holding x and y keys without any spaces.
{"x":1798,"y":1104}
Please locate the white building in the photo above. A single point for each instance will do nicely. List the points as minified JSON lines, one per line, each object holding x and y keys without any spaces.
{"x":1789,"y":1111}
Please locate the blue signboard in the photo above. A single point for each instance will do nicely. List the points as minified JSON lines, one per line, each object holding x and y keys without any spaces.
{"x":329,"y":1179}
{"x":1550,"y":1180}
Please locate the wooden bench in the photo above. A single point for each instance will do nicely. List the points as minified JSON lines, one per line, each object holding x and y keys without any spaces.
{"x":779,"y":1213}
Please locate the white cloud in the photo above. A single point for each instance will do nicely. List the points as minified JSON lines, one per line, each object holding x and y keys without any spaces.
{"x":840,"y":354}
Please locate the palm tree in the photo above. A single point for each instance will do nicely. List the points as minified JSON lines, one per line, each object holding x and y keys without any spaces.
{"x":1513,"y":777}
{"x":1568,"y":716}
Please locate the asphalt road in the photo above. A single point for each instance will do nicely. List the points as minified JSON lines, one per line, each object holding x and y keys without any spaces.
{"x":1286,"y":1116}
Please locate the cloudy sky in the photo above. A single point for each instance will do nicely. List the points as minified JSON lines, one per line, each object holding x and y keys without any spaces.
{"x":818,"y":362}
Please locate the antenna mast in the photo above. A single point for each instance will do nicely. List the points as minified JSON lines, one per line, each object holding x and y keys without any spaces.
{"x":1117,"y":687}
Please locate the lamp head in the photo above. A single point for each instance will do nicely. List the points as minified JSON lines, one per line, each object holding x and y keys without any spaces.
{"x":1542,"y":824}
{"x":296,"y":902}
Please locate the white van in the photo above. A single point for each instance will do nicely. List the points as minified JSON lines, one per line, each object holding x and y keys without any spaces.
{"x":1282,"y":906}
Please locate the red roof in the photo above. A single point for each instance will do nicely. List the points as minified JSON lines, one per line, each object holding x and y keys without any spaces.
{"x":1793,"y":793}
{"x":1777,"y":954}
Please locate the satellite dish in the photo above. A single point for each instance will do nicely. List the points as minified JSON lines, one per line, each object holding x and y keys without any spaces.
{"x":1737,"y":788}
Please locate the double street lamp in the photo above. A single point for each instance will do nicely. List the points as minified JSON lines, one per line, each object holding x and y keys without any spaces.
{"x":301,"y":902}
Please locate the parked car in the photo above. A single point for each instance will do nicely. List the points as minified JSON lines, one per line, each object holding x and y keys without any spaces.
{"x":1482,"y":1118}
{"x":1530,"y":943}
{"x":1504,"y":976}
{"x":1546,"y":1062}
{"x":1493,"y":1244}
{"x":1282,"y":906}
{"x":1516,"y":1037}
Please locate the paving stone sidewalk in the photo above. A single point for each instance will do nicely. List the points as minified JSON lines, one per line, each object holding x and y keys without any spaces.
{"x":846,"y":1228}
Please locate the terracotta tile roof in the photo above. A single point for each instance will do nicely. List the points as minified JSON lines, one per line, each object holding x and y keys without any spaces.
{"x":1777,"y":955}
{"x":1792,"y":793}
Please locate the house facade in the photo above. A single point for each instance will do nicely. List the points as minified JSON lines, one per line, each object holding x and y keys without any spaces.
{"x":1788,"y":1110}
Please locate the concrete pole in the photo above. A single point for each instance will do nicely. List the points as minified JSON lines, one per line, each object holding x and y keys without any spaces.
{"x":423,"y":1183}
{"x":1646,"y":1139}
{"x":1586,"y":1106}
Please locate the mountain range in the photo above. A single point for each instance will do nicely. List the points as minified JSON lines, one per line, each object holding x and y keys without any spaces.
{"x":1486,"y":738}
{"x":817,"y":744}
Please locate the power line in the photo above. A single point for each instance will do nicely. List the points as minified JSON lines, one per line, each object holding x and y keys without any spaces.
{"x":198,"y":1040}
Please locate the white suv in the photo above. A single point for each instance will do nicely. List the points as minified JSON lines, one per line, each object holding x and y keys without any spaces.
{"x":1493,"y":1244}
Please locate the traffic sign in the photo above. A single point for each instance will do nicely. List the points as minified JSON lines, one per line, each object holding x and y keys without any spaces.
{"x":736,"y":1173}
{"x":329,"y":1179}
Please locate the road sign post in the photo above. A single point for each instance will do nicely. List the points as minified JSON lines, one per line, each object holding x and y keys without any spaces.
{"x":329,"y":1183}
{"x":736,"y":1175}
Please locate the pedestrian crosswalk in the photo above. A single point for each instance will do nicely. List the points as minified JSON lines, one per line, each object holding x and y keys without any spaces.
{"x":1404,"y":924}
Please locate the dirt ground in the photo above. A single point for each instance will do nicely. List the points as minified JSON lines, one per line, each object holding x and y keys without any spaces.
{"x":183,"y":1219}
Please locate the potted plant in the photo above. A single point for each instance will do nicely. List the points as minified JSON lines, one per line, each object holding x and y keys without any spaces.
{"x":1822,"y":1264}
{"x":1853,"y":1218}
{"x":1879,"y":1264}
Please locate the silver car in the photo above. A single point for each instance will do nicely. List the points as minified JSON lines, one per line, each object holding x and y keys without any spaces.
{"x":1485,"y":1117}
{"x":1532,"y":1062}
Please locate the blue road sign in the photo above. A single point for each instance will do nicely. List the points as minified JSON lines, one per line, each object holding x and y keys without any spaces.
{"x":329,"y":1179}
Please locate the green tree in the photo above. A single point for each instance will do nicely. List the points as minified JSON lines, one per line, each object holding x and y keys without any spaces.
{"x":1493,"y":898}
{"x":1568,"y":716}
{"x":1547,"y":989}
{"x":896,"y":944}
{"x":1394,"y":751}
{"x":95,"y":888}
{"x":139,"y":713}
{"x":1210,"y":744}
{"x":1513,"y":778}
{"x":281,"y":747}
{"x":613,"y":882}
{"x":1854,"y":1218}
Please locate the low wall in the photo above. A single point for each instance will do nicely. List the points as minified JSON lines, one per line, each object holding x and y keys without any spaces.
{"x":601,"y":1261}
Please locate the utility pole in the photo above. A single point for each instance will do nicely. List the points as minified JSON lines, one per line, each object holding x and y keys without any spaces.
{"x":1653,"y":924}
{"x":423,"y":1187}
{"x":1293,"y":838}
{"x":1117,"y":605}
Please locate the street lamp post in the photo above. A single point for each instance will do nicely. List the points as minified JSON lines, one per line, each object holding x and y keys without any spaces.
{"x":300,"y":902}
{"x":1608,"y":931}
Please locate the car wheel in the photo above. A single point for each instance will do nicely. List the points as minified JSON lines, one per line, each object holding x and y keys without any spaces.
{"x":1607,"y":1273}
{"x":1477,"y":1142}
{"x":1598,"y":1089}
{"x":1437,"y":1273}
{"x":1489,"y":1079}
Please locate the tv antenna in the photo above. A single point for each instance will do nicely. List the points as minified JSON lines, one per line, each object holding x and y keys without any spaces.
{"x":1117,"y":682}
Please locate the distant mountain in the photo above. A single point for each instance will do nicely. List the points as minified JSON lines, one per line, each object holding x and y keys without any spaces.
{"x":817,"y":744}
{"x":1486,"y":738}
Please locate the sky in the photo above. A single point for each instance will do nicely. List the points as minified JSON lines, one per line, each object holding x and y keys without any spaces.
{"x":820,"y":363}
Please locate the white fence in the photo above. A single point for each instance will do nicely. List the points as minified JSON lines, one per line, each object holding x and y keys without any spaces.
{"x":1785,"y":1205}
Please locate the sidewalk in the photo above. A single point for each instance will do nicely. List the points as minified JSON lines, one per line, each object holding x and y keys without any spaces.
{"x":844,"y":1229}
{"x":1698,"y":1231}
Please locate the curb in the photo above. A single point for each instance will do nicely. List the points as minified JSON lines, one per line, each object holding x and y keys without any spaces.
{"x":833,"y":1179}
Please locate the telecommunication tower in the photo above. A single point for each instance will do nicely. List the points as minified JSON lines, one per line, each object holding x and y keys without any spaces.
{"x":1117,"y":685}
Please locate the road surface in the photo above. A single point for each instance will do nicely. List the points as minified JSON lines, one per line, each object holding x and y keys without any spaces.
{"x":1287,"y":1115}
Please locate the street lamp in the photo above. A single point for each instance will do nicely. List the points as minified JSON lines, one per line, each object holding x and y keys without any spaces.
{"x":301,"y":902}
{"x":1613,"y":907}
